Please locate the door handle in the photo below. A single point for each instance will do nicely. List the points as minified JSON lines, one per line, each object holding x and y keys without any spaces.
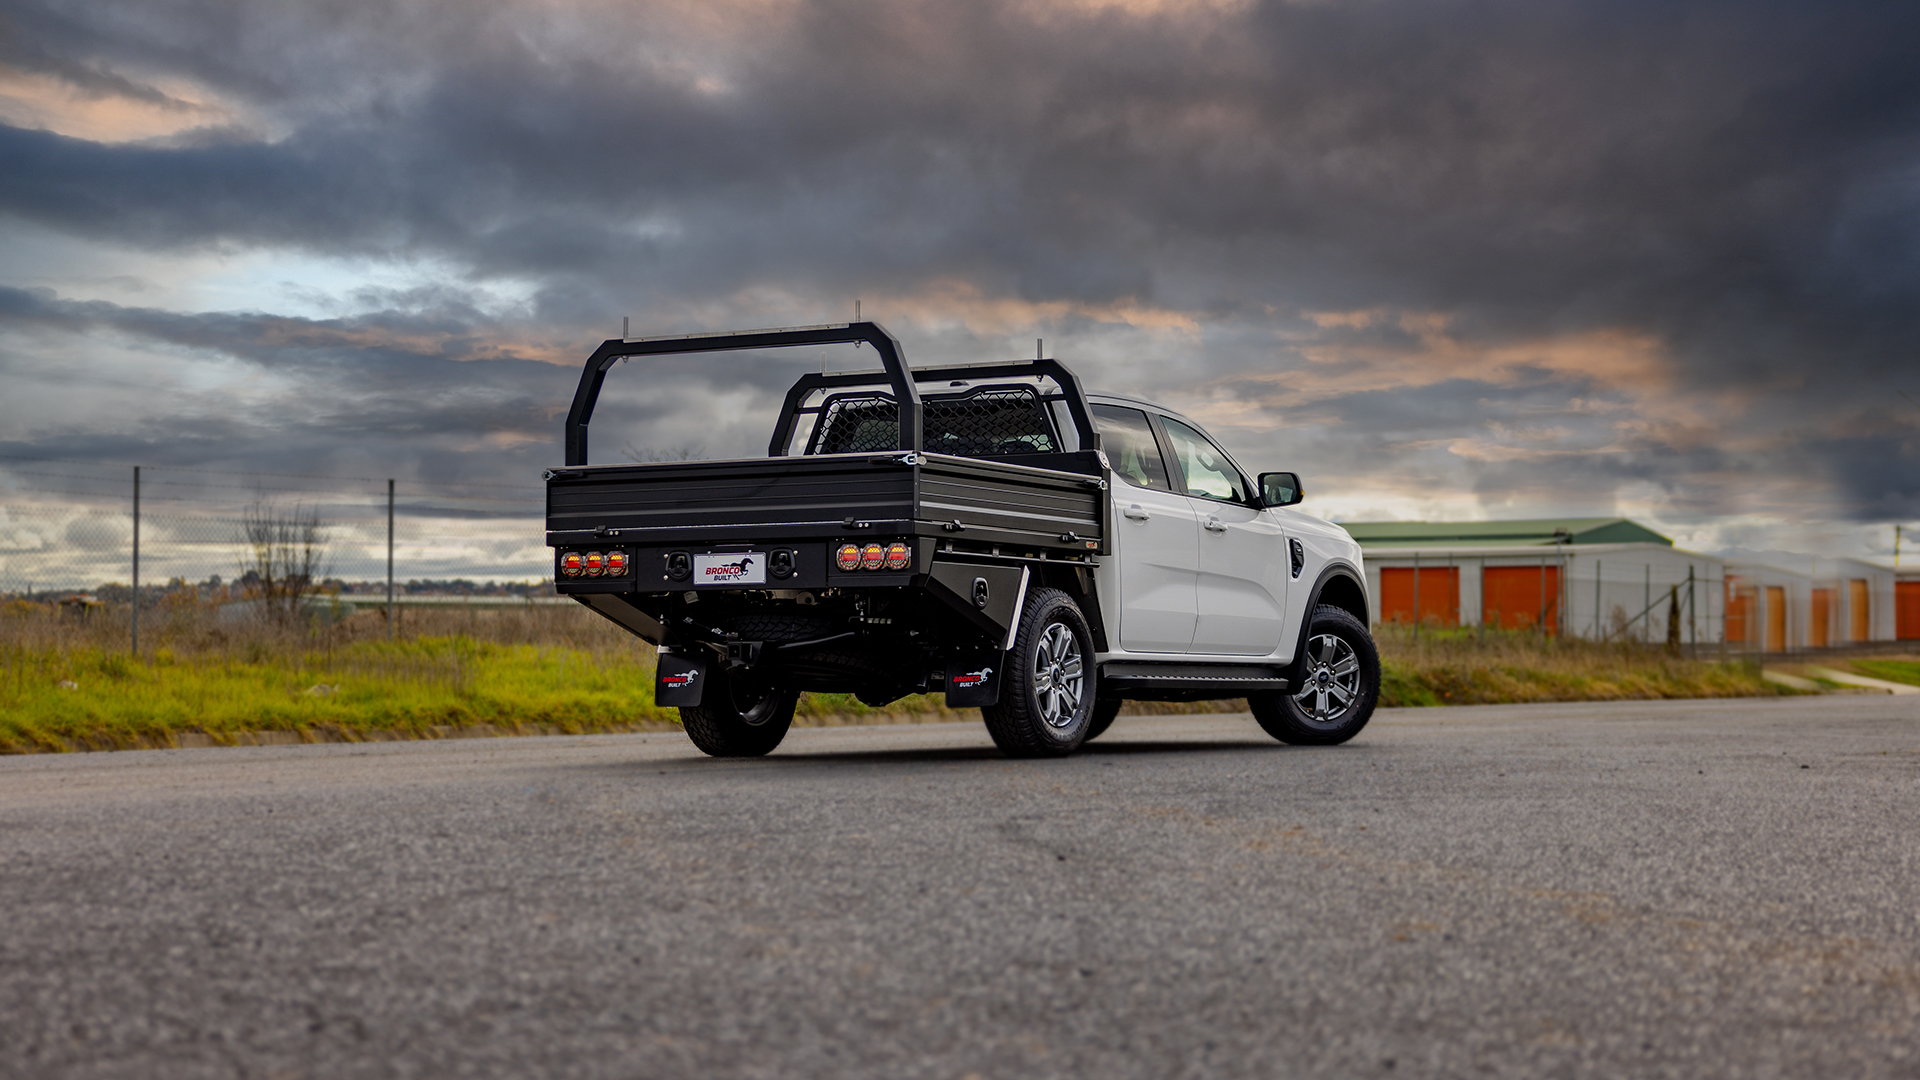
{"x":1215,"y":525}
{"x":1135,"y":513}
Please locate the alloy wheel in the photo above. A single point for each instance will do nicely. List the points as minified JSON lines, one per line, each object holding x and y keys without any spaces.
{"x":1331,"y":683}
{"x":1059,"y":676}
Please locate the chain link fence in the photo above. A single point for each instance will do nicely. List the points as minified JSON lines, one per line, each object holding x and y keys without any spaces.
{"x":71,"y":530}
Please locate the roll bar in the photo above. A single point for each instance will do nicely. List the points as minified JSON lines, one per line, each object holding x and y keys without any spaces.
{"x":727,"y":341}
{"x":902,"y":380}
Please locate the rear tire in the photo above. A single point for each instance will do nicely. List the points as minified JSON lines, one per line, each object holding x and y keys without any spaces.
{"x":1338,"y":688}
{"x":1047,"y":692}
{"x":735,"y":719}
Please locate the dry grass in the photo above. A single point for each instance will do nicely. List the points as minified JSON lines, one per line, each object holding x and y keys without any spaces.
{"x":1464,"y":667}
{"x":67,"y":681}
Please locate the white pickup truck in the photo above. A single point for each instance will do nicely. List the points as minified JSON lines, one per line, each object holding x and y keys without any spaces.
{"x":987,"y":531}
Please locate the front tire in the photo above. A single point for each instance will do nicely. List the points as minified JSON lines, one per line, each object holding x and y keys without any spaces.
{"x":1104,"y":710}
{"x":1339,"y":685}
{"x":1047,"y":690}
{"x":736,"y":719}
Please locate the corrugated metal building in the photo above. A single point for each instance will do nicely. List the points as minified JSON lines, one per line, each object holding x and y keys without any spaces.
{"x":1611,"y":578}
{"x":1590,"y":577}
{"x":1769,"y":608}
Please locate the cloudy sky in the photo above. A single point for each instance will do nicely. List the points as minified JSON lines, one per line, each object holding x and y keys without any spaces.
{"x":1446,"y":259}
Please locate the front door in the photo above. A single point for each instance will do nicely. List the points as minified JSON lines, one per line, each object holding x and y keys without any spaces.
{"x":1157,"y":537}
{"x":1241,"y":587}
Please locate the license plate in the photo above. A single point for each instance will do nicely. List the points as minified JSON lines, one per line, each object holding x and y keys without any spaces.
{"x":734,"y":568}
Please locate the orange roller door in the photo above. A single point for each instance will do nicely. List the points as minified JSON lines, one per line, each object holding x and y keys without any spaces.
{"x":1740,"y":599}
{"x":1822,"y":617}
{"x":1859,"y":611}
{"x":1776,"y":619}
{"x":1439,"y":599}
{"x":1517,"y":597}
{"x":1907,"y":603}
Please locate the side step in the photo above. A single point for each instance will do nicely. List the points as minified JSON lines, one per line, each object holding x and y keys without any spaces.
{"x":1146,"y":681}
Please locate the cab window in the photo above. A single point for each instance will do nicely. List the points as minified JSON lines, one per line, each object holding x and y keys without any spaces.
{"x":1207,"y":472}
{"x":1128,"y":441}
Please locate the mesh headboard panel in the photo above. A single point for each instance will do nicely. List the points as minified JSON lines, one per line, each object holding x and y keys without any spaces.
{"x":994,"y":421}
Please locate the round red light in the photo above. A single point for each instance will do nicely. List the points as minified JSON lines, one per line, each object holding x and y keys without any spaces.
{"x":616,"y":563}
{"x":848,"y":557}
{"x":898,"y":555}
{"x":872,"y":557}
{"x":570,"y":564}
{"x":594,"y":564}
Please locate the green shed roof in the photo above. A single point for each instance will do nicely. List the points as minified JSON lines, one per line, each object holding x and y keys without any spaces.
{"x":1502,"y":533}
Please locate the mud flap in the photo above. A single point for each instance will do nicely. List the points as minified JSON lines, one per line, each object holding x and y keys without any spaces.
{"x":679,"y":680}
{"x":973,"y":681}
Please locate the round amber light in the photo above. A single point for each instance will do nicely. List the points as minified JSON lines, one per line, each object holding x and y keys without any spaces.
{"x":616,"y":563}
{"x":848,"y":558}
{"x":872,"y":557}
{"x":898,"y":555}
{"x":594,"y":564}
{"x":570,"y":564}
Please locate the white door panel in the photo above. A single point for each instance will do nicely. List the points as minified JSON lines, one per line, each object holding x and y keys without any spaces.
{"x":1159,"y":551}
{"x":1242,"y":581}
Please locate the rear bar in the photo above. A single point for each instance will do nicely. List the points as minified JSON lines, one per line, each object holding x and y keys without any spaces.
{"x":613,"y":349}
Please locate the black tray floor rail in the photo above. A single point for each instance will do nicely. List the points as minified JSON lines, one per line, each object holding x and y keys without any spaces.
{"x":964,"y":499}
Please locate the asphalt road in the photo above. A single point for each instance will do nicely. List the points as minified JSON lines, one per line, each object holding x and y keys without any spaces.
{"x":1711,"y":889}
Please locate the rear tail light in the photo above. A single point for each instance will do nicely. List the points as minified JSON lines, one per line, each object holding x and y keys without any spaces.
{"x":616,"y":563}
{"x":571,"y":564}
{"x":848,"y":557}
{"x":898,"y":556}
{"x":596,"y":564}
{"x":872,"y":557}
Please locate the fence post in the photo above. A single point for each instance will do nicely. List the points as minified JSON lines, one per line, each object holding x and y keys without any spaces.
{"x":136,"y":560}
{"x":1416,"y":596}
{"x":1646,"y":632}
{"x":1596,"y":599}
{"x":389,"y":558}
{"x":1693,"y":635}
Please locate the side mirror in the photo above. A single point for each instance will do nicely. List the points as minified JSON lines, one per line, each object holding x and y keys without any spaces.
{"x":1280,"y":489}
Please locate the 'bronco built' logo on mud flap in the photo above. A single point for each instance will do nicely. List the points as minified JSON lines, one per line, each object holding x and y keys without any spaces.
{"x":736,"y":568}
{"x":677,"y":680}
{"x":970,"y":679}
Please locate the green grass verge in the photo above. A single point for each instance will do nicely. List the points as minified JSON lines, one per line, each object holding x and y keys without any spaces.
{"x":1901,"y":671}
{"x":406,"y":687}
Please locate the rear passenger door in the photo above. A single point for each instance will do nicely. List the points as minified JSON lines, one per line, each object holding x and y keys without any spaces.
{"x":1241,"y":583}
{"x":1157,"y":534}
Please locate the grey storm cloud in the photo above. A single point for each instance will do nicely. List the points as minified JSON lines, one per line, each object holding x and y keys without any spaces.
{"x":1738,"y":182}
